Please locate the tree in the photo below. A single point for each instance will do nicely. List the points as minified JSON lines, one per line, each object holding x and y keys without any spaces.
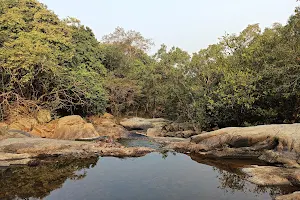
{"x":37,"y":61}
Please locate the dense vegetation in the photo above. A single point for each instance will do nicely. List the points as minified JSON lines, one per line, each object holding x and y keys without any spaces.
{"x":245,"y":79}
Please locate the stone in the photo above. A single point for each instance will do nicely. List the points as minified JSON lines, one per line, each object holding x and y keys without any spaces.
{"x":188,"y":133}
{"x":106,"y":126}
{"x":273,"y":157}
{"x":73,"y":127}
{"x":136,"y":124}
{"x":66,"y":128}
{"x":176,"y":127}
{"x":278,"y":143}
{"x":24,"y":124}
{"x":180,"y":134}
{"x":184,"y":147}
{"x":107,"y":116}
{"x":154,"y":132}
{"x":3,"y":125}
{"x":270,"y":175}
{"x":293,"y":196}
{"x":24,"y":149}
{"x":294,"y":178}
{"x":43,"y":116}
{"x":8,"y":159}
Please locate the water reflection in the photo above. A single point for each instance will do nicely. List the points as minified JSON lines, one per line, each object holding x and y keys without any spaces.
{"x":232,"y":180}
{"x":38,"y":182}
{"x":141,"y":142}
{"x":166,"y":175}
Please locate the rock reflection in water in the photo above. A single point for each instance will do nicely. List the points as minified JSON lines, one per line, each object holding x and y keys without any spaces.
{"x":38,"y":182}
{"x":232,"y":180}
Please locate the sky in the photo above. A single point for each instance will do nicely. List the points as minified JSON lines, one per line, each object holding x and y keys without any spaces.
{"x":189,"y":24}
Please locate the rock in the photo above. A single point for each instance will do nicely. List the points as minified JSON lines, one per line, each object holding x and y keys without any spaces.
{"x":24,"y":124}
{"x":278,"y":157}
{"x":188,"y":133}
{"x":73,"y":127}
{"x":13,"y":149}
{"x":295,"y":178}
{"x":286,"y":135}
{"x":163,"y":128}
{"x":160,"y":131}
{"x":179,"y":134}
{"x":106,"y":126}
{"x":66,"y":128}
{"x":3,"y":130}
{"x":43,"y":116}
{"x":3,"y":125}
{"x":184,"y":147}
{"x":182,"y":130}
{"x":270,"y":175}
{"x":6,"y":133}
{"x":136,"y":124}
{"x":107,"y":116}
{"x":154,"y":132}
{"x":158,"y":120}
{"x":293,"y":196}
{"x":176,"y":127}
{"x":8,"y":159}
{"x":264,"y":140}
{"x":44,"y":131}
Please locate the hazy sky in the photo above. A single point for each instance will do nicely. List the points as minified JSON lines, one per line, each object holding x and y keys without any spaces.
{"x":188,"y":24}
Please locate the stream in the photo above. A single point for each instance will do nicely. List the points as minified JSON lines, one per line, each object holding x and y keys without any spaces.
{"x":154,"y":176}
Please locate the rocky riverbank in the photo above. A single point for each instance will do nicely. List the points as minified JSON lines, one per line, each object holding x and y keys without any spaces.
{"x":276,"y":145}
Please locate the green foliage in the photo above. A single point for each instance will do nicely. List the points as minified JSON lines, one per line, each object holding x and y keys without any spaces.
{"x":40,"y":60}
{"x":87,"y":49}
{"x":246,"y":78}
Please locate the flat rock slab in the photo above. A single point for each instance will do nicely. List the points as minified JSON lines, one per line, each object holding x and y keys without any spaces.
{"x":11,"y":156}
{"x":23,"y":149}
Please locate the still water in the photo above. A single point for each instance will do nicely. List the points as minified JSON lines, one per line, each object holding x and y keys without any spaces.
{"x":155,"y":176}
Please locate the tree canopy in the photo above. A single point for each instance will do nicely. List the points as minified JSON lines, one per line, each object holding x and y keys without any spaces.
{"x":245,"y":79}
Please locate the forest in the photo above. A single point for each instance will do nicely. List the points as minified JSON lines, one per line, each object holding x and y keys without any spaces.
{"x":248,"y":78}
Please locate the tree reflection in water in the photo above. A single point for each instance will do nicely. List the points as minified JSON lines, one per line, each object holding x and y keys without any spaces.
{"x":232,"y":180}
{"x":38,"y":182}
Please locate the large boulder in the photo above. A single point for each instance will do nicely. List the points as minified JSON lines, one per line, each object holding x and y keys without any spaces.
{"x":73,"y":127}
{"x":136,"y":123}
{"x":25,"y":124}
{"x":106,"y":125}
{"x":180,"y":130}
{"x":286,"y":137}
{"x":66,"y":128}
{"x":274,"y":144}
{"x":176,"y":127}
{"x":167,"y":129}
